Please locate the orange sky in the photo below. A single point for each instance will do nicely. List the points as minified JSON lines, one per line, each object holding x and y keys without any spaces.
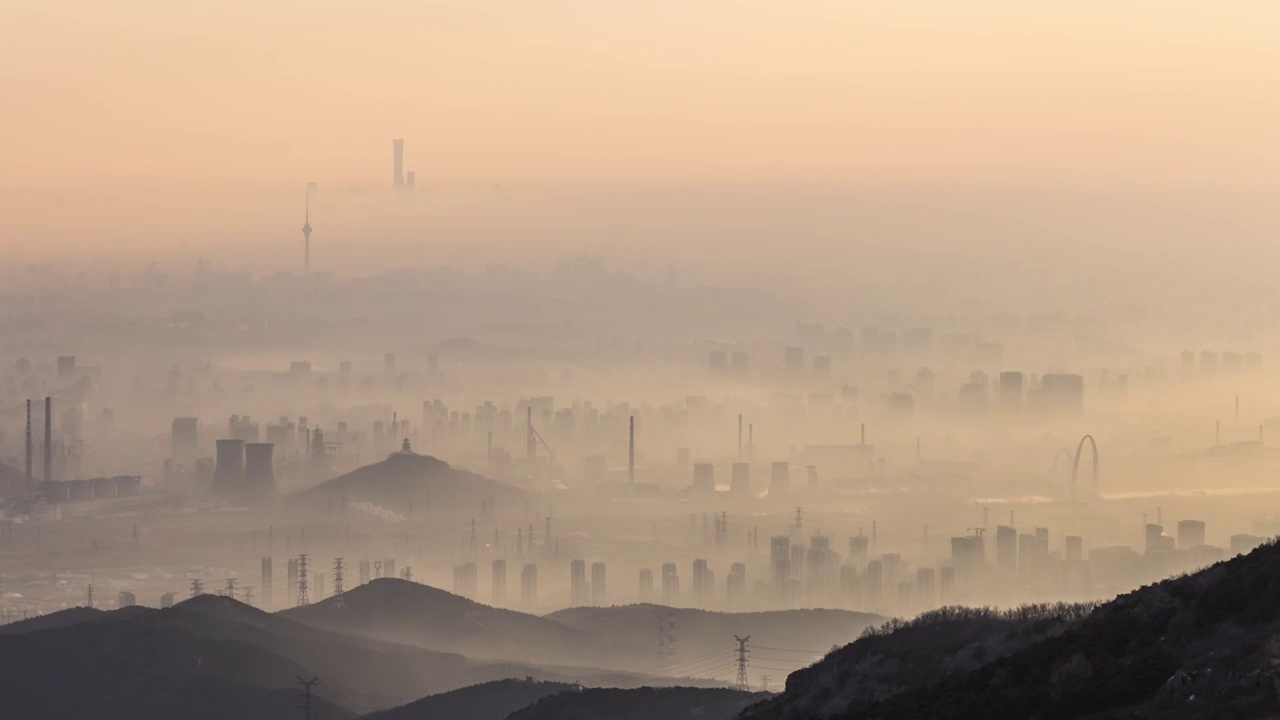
{"x":1112,"y":93}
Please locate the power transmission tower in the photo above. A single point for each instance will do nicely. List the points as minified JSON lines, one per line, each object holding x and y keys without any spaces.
{"x":764,"y":683}
{"x":248,"y":595}
{"x":303,"y":598}
{"x":667,"y":640}
{"x":307,"y":685}
{"x":339,"y":600}
{"x":197,"y":587}
{"x":231,"y":588}
{"x":743,"y":685}
{"x":90,"y":599}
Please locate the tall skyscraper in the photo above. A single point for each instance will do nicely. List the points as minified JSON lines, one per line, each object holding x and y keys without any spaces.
{"x":397,"y":151}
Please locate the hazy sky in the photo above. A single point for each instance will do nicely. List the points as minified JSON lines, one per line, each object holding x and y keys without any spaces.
{"x":1111,"y":93}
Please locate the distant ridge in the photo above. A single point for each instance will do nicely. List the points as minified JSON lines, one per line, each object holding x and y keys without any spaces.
{"x":408,"y":483}
{"x":412,"y":613}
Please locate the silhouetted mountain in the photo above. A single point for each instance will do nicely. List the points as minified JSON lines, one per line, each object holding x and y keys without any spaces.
{"x":487,"y":701}
{"x":70,"y":616}
{"x":408,"y":483}
{"x":125,"y":660}
{"x":795,"y":637}
{"x":1199,"y":646}
{"x":408,"y":612}
{"x":673,"y":703}
{"x":899,"y":654}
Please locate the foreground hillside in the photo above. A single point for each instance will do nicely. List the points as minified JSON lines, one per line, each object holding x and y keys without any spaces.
{"x":673,"y":703}
{"x":900,"y":655}
{"x":1201,"y":646}
{"x":487,"y":701}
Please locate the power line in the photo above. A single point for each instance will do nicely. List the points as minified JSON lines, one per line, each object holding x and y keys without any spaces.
{"x":795,"y":650}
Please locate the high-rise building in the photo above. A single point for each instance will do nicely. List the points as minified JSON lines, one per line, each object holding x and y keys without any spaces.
{"x":184,"y":441}
{"x":529,"y":586}
{"x":780,"y":564}
{"x":579,"y":595}
{"x":1006,"y":549}
{"x":598,"y":591}
{"x":779,"y":478}
{"x":1190,"y":534}
{"x":858,"y":547}
{"x":670,"y":584}
{"x":397,"y":163}
{"x":499,"y":583}
{"x":646,"y":585}
{"x":701,"y":576}
{"x":926,"y":588}
{"x":704,"y":479}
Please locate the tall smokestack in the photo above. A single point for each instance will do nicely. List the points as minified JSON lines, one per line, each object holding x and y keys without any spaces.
{"x":48,"y":439}
{"x":531,"y":447}
{"x":30,"y":448}
{"x":631,"y":452}
{"x":397,"y":155}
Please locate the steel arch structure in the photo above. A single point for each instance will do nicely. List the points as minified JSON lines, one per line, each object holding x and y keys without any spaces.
{"x":1075,"y":464}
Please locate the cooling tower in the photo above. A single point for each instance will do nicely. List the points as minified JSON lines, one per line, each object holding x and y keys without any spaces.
{"x":780,"y":479}
{"x":259,"y":472}
{"x":228,"y":472}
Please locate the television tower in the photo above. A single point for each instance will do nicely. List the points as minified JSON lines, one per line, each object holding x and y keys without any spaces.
{"x":306,"y":237}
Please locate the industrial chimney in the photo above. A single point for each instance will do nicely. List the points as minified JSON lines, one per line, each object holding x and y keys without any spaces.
{"x":30,"y":451}
{"x":259,"y":473}
{"x":48,"y":439}
{"x":228,"y":472}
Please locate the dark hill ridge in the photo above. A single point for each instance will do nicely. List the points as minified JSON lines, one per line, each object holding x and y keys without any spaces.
{"x":412,"y":613}
{"x":702,"y":632}
{"x":122,"y":661}
{"x":1200,"y":646}
{"x":646,"y":703}
{"x":487,"y":701}
{"x":70,"y":616}
{"x":410,"y":483}
{"x":899,"y":655}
